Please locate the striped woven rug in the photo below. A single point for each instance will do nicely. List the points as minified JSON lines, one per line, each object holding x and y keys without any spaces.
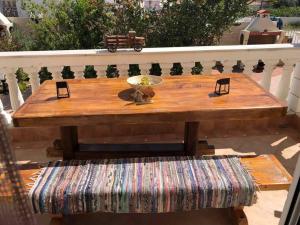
{"x":142,"y":185}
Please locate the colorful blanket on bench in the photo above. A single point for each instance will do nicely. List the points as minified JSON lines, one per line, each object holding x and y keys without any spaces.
{"x":142,"y":185}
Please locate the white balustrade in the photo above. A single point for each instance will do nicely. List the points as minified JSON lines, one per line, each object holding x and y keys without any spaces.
{"x":123,"y":69}
{"x":248,"y":67}
{"x":145,"y":68}
{"x":5,"y":115}
{"x":56,"y":72}
{"x":16,"y":97}
{"x":285,"y":80}
{"x":166,"y":68}
{"x":267,"y":74}
{"x":34,"y":77}
{"x":294,"y":94}
{"x":101,"y":71}
{"x":228,"y":66}
{"x":78,"y":71}
{"x":187,"y":56}
{"x":187,"y":67}
{"x":207,"y":67}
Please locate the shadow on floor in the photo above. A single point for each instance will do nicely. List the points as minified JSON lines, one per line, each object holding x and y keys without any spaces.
{"x":283,"y":146}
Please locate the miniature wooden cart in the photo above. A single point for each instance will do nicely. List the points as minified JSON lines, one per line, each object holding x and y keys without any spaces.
{"x":113,"y":42}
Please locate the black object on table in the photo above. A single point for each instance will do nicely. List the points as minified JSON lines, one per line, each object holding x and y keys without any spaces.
{"x":222,"y":86}
{"x":62,"y":89}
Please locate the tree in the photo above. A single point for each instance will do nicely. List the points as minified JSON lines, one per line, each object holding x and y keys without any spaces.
{"x":82,"y":24}
{"x":194,"y":22}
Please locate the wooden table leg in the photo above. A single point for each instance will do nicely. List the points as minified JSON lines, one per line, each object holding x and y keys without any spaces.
{"x":191,"y":138}
{"x":238,"y":216}
{"x":69,"y":141}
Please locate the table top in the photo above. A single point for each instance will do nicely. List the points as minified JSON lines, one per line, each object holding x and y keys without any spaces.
{"x":183,"y":98}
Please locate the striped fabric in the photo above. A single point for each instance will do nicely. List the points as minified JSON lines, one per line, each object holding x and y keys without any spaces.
{"x":142,"y":185}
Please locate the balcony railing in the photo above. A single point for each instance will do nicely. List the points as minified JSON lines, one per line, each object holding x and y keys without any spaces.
{"x":32,"y":61}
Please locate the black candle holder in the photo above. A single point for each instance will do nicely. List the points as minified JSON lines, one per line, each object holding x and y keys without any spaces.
{"x":62,"y":89}
{"x":222,"y":86}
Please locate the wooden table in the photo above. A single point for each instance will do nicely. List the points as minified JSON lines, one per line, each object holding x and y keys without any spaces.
{"x":186,"y":99}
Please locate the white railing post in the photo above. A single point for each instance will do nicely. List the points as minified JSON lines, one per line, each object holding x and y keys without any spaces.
{"x":207,"y":68}
{"x":248,"y":68}
{"x":16,"y":97}
{"x":56,"y":72}
{"x":4,"y":114}
{"x":294,"y":94}
{"x":101,"y":70}
{"x":166,"y":68}
{"x":145,"y":68}
{"x":34,"y":78}
{"x":123,"y":69}
{"x":284,"y":83}
{"x":228,"y":66}
{"x":78,"y":71}
{"x":267,"y":75}
{"x":187,"y":68}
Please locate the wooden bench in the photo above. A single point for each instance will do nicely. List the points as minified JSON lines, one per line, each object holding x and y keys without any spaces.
{"x":267,"y":171}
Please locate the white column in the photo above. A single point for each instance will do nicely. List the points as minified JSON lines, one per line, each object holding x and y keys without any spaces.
{"x":187,"y":68}
{"x":248,"y":69}
{"x":207,"y":68}
{"x":34,"y":77}
{"x":78,"y":71}
{"x":101,"y":71}
{"x":5,"y":115}
{"x":228,"y":66}
{"x":294,"y":94}
{"x":16,"y":98}
{"x":284,"y":83}
{"x":145,"y":68}
{"x":267,"y":75}
{"x":123,"y":70}
{"x":166,"y":68}
{"x":56,"y":72}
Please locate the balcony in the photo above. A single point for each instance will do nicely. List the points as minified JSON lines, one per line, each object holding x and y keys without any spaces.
{"x":280,"y":75}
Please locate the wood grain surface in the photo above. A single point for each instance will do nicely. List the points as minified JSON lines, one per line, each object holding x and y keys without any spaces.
{"x":178,"y":98}
{"x":268,"y":172}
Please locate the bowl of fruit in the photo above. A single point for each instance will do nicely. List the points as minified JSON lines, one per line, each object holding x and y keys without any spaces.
{"x":143,"y":86}
{"x":143,"y":81}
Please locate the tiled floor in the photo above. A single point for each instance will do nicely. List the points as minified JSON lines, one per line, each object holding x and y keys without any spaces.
{"x":285,"y":144}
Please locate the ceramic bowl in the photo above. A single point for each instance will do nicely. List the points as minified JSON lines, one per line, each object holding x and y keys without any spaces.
{"x":136,"y":81}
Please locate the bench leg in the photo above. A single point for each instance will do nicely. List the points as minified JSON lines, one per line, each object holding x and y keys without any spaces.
{"x":191,"y":138}
{"x":56,"y":220}
{"x":238,"y":216}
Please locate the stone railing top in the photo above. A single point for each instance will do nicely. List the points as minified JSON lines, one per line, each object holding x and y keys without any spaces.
{"x":80,"y":58}
{"x":150,"y":50}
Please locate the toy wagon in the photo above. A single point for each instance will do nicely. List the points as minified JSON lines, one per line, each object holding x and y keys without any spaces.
{"x":113,"y":42}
